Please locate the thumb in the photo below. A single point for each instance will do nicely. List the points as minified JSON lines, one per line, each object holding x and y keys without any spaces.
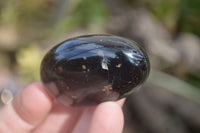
{"x":28,"y":109}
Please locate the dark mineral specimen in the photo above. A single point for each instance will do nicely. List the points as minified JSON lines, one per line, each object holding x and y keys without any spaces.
{"x":88,"y":70}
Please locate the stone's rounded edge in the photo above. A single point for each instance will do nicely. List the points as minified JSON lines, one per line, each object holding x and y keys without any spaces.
{"x":80,"y":68}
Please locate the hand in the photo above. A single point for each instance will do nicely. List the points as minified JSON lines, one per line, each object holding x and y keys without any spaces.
{"x":33,"y":110}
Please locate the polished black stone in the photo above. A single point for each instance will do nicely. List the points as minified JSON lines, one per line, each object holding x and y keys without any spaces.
{"x":88,"y":70}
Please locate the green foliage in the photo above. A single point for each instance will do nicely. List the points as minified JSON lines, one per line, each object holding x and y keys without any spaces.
{"x":193,"y":78}
{"x":190,"y":17}
{"x":85,"y":13}
{"x":24,"y":12}
{"x":167,"y":11}
{"x":29,"y":59}
{"x":91,"y":11}
{"x":178,"y":15}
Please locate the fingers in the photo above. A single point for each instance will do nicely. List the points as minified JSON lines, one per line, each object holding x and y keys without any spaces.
{"x":33,"y":104}
{"x":83,"y":124}
{"x":64,"y":119}
{"x":28,"y":110}
{"x":61,"y":119}
{"x":107,"y":118}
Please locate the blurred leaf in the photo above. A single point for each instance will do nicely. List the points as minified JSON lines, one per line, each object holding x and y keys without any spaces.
{"x":193,"y":78}
{"x":80,"y":13}
{"x":91,"y":11}
{"x":86,"y":12}
{"x":29,"y":59}
{"x":174,"y":85}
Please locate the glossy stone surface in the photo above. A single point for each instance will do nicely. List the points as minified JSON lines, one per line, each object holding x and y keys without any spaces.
{"x":88,"y":70}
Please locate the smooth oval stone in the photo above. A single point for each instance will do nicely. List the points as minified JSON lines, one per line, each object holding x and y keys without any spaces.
{"x":88,"y":70}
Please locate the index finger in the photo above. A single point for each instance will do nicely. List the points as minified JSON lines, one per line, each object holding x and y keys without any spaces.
{"x":27,"y":110}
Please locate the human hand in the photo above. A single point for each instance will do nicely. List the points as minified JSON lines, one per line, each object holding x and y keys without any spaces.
{"x":34,"y":111}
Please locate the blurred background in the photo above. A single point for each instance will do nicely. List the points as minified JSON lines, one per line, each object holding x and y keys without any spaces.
{"x":169,"y":30}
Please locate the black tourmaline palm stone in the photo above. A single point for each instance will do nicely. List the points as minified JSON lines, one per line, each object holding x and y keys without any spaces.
{"x":88,"y":70}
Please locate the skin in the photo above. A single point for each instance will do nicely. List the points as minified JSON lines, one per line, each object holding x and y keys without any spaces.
{"x":34,"y":111}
